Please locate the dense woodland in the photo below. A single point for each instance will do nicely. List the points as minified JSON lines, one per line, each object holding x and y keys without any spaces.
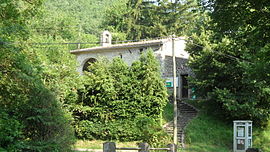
{"x":45,"y":105}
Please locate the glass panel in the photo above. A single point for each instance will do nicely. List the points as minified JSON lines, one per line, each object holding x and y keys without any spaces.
{"x":240,"y":123}
{"x":240,"y":131}
{"x":240,"y":144}
{"x":249,"y":143}
{"x":249,"y":131}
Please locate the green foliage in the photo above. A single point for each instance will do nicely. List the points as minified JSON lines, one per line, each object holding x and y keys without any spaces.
{"x":168,"y":113}
{"x":262,"y":138}
{"x":38,"y":121}
{"x":84,"y":16}
{"x":142,"y":19}
{"x":150,"y":85}
{"x":10,"y":133}
{"x":230,"y":67}
{"x":116,"y":94}
{"x":33,"y":106}
{"x":151,"y":132}
{"x":121,"y":130}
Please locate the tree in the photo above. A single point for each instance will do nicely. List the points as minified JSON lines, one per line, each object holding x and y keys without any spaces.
{"x":150,"y":89}
{"x":227,"y":58}
{"x":116,"y":97}
{"x":150,"y":19}
{"x":87,"y":14}
{"x":27,"y":106}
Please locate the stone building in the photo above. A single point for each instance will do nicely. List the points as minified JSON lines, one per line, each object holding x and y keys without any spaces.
{"x":130,"y":52}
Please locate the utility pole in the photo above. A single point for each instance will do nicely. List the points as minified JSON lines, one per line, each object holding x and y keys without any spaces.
{"x":174,"y":94}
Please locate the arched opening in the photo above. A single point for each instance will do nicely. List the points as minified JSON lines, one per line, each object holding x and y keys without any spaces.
{"x":88,"y":63}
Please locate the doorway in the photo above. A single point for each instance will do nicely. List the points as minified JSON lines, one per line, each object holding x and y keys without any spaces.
{"x":184,"y":86}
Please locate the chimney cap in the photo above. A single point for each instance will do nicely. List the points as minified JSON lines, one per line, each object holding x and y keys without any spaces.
{"x":106,"y":38}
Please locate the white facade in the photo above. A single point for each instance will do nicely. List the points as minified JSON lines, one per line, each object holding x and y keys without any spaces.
{"x":130,"y":52}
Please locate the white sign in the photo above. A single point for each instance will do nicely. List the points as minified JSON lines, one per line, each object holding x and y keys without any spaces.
{"x":169,"y":81}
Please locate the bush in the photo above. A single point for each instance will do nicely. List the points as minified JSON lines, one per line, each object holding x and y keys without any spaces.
{"x":115,"y":94}
{"x":10,"y":133}
{"x":262,"y":138}
{"x":140,"y":128}
{"x":31,"y":117}
{"x":151,"y":132}
{"x":117,"y":130}
{"x":38,"y":120}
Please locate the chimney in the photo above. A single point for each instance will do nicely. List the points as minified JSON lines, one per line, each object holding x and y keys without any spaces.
{"x":106,"y":38}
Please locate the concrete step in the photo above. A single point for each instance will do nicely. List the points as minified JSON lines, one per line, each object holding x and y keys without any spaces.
{"x":186,"y":113}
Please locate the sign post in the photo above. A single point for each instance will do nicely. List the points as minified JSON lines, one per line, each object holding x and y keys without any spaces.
{"x":174,"y":95}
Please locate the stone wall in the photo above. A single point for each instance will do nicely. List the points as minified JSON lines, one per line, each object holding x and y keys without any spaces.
{"x":181,"y":70}
{"x":181,"y":67}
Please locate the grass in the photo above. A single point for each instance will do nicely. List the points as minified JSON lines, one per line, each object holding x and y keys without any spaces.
{"x":98,"y":144}
{"x":167,"y":114}
{"x":207,"y":134}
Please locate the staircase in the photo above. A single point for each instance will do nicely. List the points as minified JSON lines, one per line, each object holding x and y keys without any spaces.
{"x":186,"y":112}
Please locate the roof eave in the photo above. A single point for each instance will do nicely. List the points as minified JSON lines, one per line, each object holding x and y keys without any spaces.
{"x":117,"y":46}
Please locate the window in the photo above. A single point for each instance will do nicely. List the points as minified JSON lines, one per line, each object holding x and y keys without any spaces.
{"x":107,"y":38}
{"x":88,"y":63}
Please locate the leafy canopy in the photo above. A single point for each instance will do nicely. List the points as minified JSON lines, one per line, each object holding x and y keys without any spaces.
{"x":231,"y":59}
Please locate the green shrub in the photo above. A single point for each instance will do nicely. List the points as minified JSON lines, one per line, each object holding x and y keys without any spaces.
{"x":115,"y":94}
{"x":10,"y":133}
{"x":262,"y":138}
{"x":46,"y":126}
{"x":151,"y":132}
{"x":117,"y":130}
{"x":31,"y":116}
{"x":140,"y":128}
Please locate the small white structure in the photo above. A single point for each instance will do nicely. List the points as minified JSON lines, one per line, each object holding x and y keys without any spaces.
{"x":242,"y":135}
{"x":106,"y":38}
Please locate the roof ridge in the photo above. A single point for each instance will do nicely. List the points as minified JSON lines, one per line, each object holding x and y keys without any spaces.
{"x":124,"y":45}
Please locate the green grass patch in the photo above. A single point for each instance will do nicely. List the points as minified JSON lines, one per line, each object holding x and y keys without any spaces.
{"x":167,"y":114}
{"x":98,"y":144}
{"x":207,"y":134}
